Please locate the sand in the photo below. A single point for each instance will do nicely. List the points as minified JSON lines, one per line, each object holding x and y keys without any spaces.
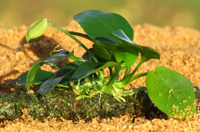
{"x":179,"y":49}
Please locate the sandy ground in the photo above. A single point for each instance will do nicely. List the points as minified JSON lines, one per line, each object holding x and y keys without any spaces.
{"x":179,"y":49}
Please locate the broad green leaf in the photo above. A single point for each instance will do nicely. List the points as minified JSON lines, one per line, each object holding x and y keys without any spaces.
{"x":66,"y":70}
{"x":37,"y":29}
{"x":146,"y":52}
{"x":171,"y":92}
{"x":40,"y":76}
{"x":127,"y":54}
{"x":31,"y":74}
{"x":104,"y":50}
{"x":99,"y":24}
{"x":88,"y":68}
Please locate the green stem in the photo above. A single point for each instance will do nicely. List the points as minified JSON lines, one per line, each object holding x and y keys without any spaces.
{"x":101,"y":75}
{"x":54,"y":64}
{"x":77,"y":59}
{"x":113,"y":78}
{"x":136,"y":77}
{"x":137,"y":67}
{"x":127,"y":72}
{"x":82,"y":35}
{"x":70,"y":35}
{"x":110,"y":69}
{"x":129,"y":78}
{"x":54,"y":50}
{"x":130,"y":75}
{"x":122,"y":84}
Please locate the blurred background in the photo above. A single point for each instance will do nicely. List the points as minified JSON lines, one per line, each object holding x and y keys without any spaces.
{"x":183,"y":13}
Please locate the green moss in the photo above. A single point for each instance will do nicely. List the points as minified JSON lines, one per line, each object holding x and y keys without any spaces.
{"x":57,"y":104}
{"x":62,"y":104}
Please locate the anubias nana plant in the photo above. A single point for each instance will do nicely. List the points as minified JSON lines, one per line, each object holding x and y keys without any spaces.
{"x":113,"y":48}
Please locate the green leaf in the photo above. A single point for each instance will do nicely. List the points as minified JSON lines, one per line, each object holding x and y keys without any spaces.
{"x":146,"y":52}
{"x":127,"y":54}
{"x":37,"y":29}
{"x":171,"y":92}
{"x":104,"y":50}
{"x":84,"y":69}
{"x":57,"y":56}
{"x":49,"y":84}
{"x":31,"y":74}
{"x":34,"y":69}
{"x":64,"y":73}
{"x":70,"y":68}
{"x":120,"y":34}
{"x":88,"y":68}
{"x":99,"y":24}
{"x":40,"y":76}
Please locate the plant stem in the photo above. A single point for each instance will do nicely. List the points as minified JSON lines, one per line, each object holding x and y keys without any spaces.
{"x":127,"y":72}
{"x":110,"y":69}
{"x":129,"y":78}
{"x":101,"y":75}
{"x":82,"y":35}
{"x":136,"y":77}
{"x":54,"y":50}
{"x":137,"y":67}
{"x":113,"y":77}
{"x":70,"y":35}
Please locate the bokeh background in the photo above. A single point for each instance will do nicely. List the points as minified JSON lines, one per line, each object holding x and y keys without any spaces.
{"x":185,"y":13}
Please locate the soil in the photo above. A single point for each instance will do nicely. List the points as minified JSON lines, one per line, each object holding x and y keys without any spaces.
{"x":179,"y":49}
